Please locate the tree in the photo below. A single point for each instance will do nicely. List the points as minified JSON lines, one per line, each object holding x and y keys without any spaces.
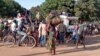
{"x":63,"y":5}
{"x":97,"y":5}
{"x":9,"y":8}
{"x":34,"y":11}
{"x":85,"y":9}
{"x":37,"y":13}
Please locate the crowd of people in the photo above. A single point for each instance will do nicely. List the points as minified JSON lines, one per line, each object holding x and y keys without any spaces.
{"x":45,"y":33}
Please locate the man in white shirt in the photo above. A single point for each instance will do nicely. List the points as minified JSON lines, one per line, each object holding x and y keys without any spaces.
{"x":13,"y":29}
{"x":13,"y":26}
{"x":21,"y":27}
{"x":65,"y":20}
{"x":19,"y":21}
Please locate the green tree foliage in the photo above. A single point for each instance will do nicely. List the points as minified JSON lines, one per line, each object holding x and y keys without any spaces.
{"x":37,"y":13}
{"x":62,"y":5}
{"x":9,"y":8}
{"x":97,"y":5}
{"x":2,"y":8}
{"x":86,"y":10}
{"x":34,"y":11}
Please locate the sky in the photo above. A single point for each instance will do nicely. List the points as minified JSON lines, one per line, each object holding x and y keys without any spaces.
{"x":29,"y":3}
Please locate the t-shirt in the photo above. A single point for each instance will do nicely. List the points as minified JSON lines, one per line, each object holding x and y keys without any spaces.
{"x":81,"y":28}
{"x":19,"y":21}
{"x":65,"y":20}
{"x":6,"y":25}
{"x":61,"y":28}
{"x":13,"y":26}
{"x":1,"y":26}
{"x":44,"y":29}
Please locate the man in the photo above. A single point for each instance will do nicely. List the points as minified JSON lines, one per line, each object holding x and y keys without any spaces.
{"x":81,"y":37}
{"x":64,"y":18}
{"x":75,"y":32}
{"x":42,"y":33}
{"x":61,"y":32}
{"x":21,"y":28}
{"x":35,"y":34}
{"x":6,"y":28}
{"x":1,"y":29}
{"x":13,"y":29}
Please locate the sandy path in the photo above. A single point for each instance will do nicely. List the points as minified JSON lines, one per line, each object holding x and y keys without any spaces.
{"x":92,"y":49}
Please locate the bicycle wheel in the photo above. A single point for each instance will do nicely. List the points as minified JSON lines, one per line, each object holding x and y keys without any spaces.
{"x":9,"y":40}
{"x":31,"y":41}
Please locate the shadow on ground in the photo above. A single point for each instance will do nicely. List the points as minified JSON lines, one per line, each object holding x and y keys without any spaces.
{"x":89,"y":41}
{"x":67,"y":51}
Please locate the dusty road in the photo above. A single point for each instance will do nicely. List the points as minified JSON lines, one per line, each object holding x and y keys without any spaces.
{"x":92,"y":49}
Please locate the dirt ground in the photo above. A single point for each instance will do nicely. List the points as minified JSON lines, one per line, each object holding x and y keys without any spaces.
{"x":92,"y":49}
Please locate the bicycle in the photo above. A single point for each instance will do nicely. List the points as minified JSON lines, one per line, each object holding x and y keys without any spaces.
{"x":28,"y":41}
{"x":9,"y":39}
